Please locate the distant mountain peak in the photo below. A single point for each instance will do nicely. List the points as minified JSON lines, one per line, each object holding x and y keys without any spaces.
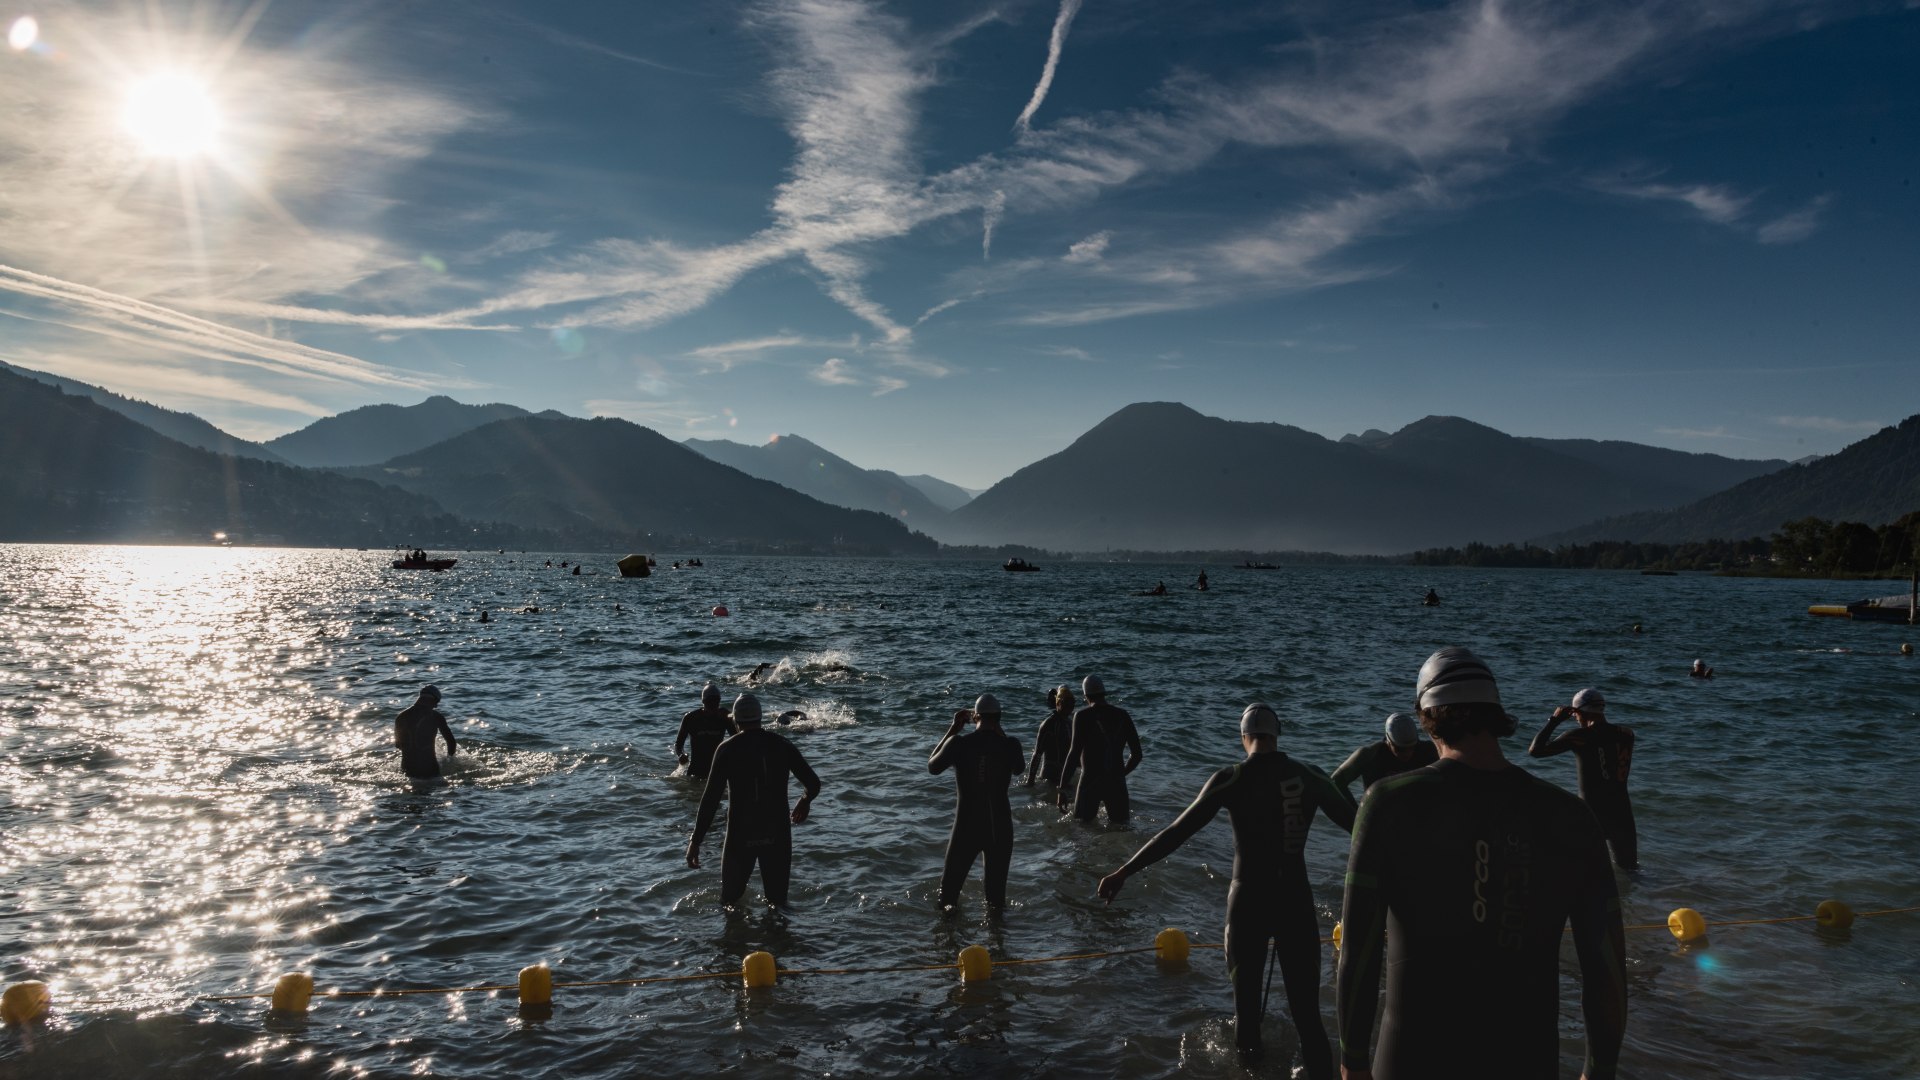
{"x":1365,"y":438}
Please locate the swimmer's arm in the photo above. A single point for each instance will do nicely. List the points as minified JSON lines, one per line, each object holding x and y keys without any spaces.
{"x":1191,"y":820}
{"x":810,"y":780}
{"x":1363,"y":914}
{"x":1039,"y":741}
{"x":1601,"y":943}
{"x":1545,"y":745}
{"x":1133,"y":747}
{"x":1076,"y":746}
{"x":400,"y":731}
{"x":446,"y":731}
{"x":1334,"y":800}
{"x":1016,"y":757}
{"x":1350,"y":769}
{"x":948,"y":747}
{"x":680,"y":739}
{"x":709,"y":802}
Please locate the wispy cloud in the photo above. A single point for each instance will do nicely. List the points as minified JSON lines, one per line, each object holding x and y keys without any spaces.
{"x":1829,"y":423}
{"x":1056,"y":42}
{"x":141,"y":378}
{"x":1793,"y":227}
{"x":1716,"y":432}
{"x":514,"y":242}
{"x":1717,"y":203}
{"x":835,"y":371}
{"x":1066,"y":352}
{"x":1090,"y":249}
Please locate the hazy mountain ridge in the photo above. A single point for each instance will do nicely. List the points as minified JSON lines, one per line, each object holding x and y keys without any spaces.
{"x":810,"y":469}
{"x":946,"y":496}
{"x":78,"y":471}
{"x":372,"y":434}
{"x":182,"y":427}
{"x":623,"y":478}
{"x":1161,"y":476}
{"x":1874,"y":481}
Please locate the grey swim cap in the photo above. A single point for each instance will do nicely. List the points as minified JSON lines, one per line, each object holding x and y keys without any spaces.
{"x":1259,"y":719}
{"x":986,"y":705}
{"x":1454,"y":676}
{"x":430,"y":692}
{"x":1590,"y":701}
{"x":1093,"y":688}
{"x":709,"y":695}
{"x":746,"y":709}
{"x":1402,"y":730}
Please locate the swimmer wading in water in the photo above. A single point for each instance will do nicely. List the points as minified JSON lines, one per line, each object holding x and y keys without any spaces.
{"x":984,"y":763}
{"x":750,"y":770}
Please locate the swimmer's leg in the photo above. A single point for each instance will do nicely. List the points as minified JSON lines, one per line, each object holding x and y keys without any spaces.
{"x":999,"y":860}
{"x":1297,"y":940}
{"x":736,"y":866}
{"x":1245,"y":945}
{"x":963,"y":847}
{"x":1086,"y":800}
{"x":1119,"y":805}
{"x":776,"y":871}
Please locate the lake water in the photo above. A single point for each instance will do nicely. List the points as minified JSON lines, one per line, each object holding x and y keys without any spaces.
{"x":200,"y":793}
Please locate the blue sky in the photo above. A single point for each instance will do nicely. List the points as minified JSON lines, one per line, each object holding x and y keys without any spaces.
{"x":950,"y":237}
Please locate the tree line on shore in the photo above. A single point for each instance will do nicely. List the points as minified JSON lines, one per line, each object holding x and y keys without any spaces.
{"x":1806,"y":547}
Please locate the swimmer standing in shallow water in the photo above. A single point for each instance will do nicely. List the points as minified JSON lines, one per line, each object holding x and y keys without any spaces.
{"x":984,"y":763}
{"x":750,"y":770}
{"x":413,"y":732}
{"x":1604,"y":752}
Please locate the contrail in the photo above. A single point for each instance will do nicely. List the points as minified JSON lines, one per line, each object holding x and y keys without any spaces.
{"x":1068,"y":9}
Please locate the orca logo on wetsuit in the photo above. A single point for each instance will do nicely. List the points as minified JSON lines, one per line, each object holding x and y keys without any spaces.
{"x":1515,"y":877}
{"x":1294,"y":821}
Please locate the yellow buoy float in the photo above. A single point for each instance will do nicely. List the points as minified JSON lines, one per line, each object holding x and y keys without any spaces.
{"x":1687,"y":925}
{"x":1337,"y":936}
{"x":536,"y":985}
{"x":976,"y":964}
{"x":1171,"y":946}
{"x":292,"y":992}
{"x":25,"y":1003}
{"x":1833,"y":915}
{"x":759,"y":970}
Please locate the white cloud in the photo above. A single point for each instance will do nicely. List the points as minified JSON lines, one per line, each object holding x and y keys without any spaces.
{"x":989,"y":217}
{"x":515,"y":242}
{"x":1793,"y":227}
{"x":1056,"y":41}
{"x":836,"y":372}
{"x":1068,"y":352}
{"x":1716,"y":432}
{"x":1829,"y":423}
{"x":1089,"y":249}
{"x":1717,"y":203}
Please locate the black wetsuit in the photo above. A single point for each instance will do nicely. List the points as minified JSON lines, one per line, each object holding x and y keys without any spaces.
{"x":1466,"y":878}
{"x":1100,"y":732}
{"x":1270,"y":799}
{"x":1605,"y":754}
{"x":413,"y":732}
{"x":752,"y":769}
{"x":704,"y":728}
{"x":1375,"y":762}
{"x":983,"y":763}
{"x":1050,"y":745}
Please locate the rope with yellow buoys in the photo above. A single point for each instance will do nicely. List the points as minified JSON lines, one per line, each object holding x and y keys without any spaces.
{"x":292,"y":994}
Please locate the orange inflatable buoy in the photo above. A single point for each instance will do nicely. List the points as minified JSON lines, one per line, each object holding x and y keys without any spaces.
{"x":720,"y":611}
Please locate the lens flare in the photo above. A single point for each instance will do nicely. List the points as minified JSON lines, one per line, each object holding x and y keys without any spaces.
{"x":171,"y":115}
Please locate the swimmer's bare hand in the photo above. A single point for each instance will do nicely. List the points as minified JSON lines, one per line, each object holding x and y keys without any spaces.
{"x":693,"y":856}
{"x":1110,"y":885}
{"x":1562,"y":713}
{"x":801,"y":809}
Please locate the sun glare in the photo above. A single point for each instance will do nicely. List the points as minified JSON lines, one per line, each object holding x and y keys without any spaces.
{"x":24,"y":32}
{"x":171,"y":115}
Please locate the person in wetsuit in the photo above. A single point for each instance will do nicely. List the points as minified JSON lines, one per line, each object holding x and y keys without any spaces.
{"x":1401,"y":750}
{"x":1270,"y":800}
{"x":1604,"y":753}
{"x":413,"y":732}
{"x":1100,"y":731}
{"x":705,"y":727}
{"x":1700,"y":670}
{"x":1050,"y":743}
{"x":984,"y":762}
{"x":751,"y":768}
{"x":1464,"y":874}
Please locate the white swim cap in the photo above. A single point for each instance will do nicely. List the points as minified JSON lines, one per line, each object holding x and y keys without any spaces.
{"x":986,"y":705}
{"x":1402,"y":730}
{"x":746,"y":709}
{"x":1590,"y":701}
{"x":1093,"y":688}
{"x":1259,"y":719}
{"x":1454,"y":676}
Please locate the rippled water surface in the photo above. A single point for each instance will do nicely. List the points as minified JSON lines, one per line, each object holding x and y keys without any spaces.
{"x":200,"y":793}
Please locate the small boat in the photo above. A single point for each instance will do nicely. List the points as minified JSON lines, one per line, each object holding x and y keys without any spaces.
{"x":1018,"y":566}
{"x":1659,"y":573}
{"x":424,"y":564}
{"x":1897,"y":609}
{"x":1258,"y":566}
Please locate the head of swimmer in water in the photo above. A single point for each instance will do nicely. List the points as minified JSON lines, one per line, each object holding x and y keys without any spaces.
{"x":1259,"y":728}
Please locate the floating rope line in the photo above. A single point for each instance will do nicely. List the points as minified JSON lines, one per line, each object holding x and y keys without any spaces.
{"x":28,"y":1002}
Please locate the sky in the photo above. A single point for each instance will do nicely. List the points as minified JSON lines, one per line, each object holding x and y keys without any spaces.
{"x":949,"y":237}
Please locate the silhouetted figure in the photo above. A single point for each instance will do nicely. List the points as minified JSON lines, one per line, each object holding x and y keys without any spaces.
{"x":984,"y":762}
{"x":413,"y":732}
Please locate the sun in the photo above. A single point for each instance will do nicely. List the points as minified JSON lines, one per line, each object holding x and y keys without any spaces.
{"x":171,"y":115}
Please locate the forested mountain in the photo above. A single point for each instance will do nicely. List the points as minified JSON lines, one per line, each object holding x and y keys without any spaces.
{"x":179,"y":426}
{"x":946,"y":496}
{"x":375,"y":433}
{"x":801,"y":465}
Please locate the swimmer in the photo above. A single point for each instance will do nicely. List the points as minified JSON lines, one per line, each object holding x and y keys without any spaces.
{"x":984,"y":762}
{"x":1050,"y":743}
{"x":750,"y":770}
{"x":1202,"y":583}
{"x":1100,"y":732}
{"x":1636,"y":628}
{"x":576,"y":569}
{"x":1472,"y":970}
{"x":1701,"y":670}
{"x":1432,"y":599}
{"x":759,"y":672}
{"x":1604,"y":753}
{"x":1906,"y":648}
{"x":705,"y":727}
{"x":413,"y":732}
{"x":1270,"y":801}
{"x":1401,"y":750}
{"x":484,"y":617}
{"x":1159,"y":589}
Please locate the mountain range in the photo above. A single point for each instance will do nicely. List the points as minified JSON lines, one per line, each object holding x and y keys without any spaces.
{"x":375,"y":433}
{"x":178,"y":426}
{"x":794,"y":462}
{"x":1160,"y":476}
